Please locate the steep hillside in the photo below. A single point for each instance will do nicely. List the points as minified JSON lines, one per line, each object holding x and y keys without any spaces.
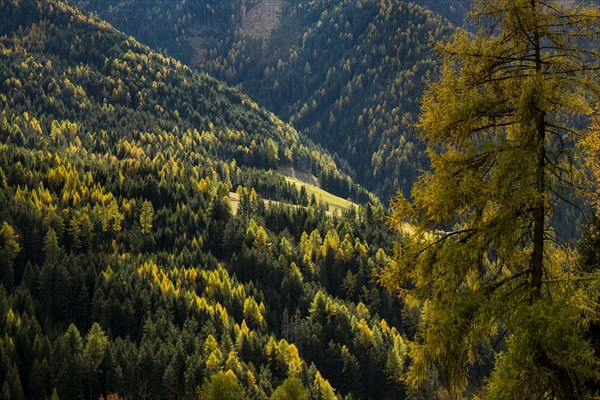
{"x":189,"y":30}
{"x":455,"y":11}
{"x":351,"y":78}
{"x":347,"y":74}
{"x":142,"y":93}
{"x":179,"y":28}
{"x":122,"y":266}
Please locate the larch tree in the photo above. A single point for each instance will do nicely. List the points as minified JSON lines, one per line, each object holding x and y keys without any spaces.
{"x":483,"y":260}
{"x":146,"y":217}
{"x":222,"y":386}
{"x":590,"y":147}
{"x":9,"y":241}
{"x":9,"y":249}
{"x":290,"y":389}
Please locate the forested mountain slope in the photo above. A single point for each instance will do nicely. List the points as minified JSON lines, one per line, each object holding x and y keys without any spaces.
{"x":174,"y":27}
{"x":122,"y":266}
{"x":455,"y":11}
{"x":143,"y":92}
{"x":349,"y":74}
{"x":352,"y":80}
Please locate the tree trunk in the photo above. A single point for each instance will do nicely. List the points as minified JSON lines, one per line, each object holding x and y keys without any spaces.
{"x":537,"y":258}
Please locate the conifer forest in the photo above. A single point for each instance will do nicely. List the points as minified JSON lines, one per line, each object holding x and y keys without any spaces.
{"x":299,"y":199}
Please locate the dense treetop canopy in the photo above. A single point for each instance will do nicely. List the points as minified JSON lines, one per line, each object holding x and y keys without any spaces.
{"x":125,"y":268}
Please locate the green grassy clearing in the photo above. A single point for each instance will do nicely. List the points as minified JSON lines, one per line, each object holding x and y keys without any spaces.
{"x":336,"y":203}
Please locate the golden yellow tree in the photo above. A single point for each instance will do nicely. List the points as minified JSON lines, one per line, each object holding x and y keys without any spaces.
{"x":483,"y":261}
